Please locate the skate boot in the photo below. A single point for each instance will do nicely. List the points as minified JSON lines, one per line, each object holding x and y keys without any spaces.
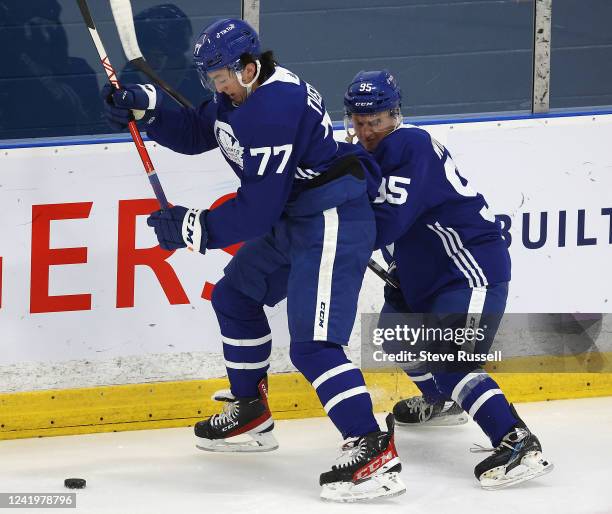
{"x":246,"y":417}
{"x":418,"y":411}
{"x":368,"y":468}
{"x":517,"y":458}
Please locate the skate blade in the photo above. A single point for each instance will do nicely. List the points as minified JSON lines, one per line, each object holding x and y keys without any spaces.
{"x":532,"y":465}
{"x":254,"y":443}
{"x":445,"y":421}
{"x":386,"y":485}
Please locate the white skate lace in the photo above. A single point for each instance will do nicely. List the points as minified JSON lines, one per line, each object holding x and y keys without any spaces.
{"x":506,"y":442}
{"x":415,"y":404}
{"x":418,"y":404}
{"x":352,"y":451}
{"x":229,"y":414}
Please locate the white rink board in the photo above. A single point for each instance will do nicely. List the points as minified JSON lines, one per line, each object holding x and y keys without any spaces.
{"x":522,"y":166}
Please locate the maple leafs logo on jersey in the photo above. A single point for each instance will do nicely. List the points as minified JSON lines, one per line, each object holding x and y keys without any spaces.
{"x":228,"y":142}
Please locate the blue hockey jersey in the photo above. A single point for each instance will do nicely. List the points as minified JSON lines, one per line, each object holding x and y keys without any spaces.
{"x":277,"y":141}
{"x":438,"y":229}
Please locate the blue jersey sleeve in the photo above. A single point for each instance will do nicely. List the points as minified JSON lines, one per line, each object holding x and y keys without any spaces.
{"x":184,"y":130}
{"x":405,"y":191}
{"x":269,"y":162}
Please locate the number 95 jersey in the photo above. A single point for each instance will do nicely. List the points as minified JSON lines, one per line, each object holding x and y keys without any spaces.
{"x":439,"y":230}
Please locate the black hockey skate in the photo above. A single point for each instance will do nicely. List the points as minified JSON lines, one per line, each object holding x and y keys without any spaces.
{"x":368,"y":468}
{"x":417,"y":411}
{"x":250,"y":417}
{"x":517,"y":458}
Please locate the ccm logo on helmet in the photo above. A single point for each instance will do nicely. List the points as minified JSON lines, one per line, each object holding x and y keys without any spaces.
{"x":231,"y":26}
{"x":363,"y":104}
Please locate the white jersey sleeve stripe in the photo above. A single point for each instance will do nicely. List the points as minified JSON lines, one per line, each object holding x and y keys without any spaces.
{"x":470,"y":257}
{"x":459,"y":265}
{"x":459,"y":251}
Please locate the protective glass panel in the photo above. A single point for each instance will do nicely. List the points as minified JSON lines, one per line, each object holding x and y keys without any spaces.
{"x":51,"y":75}
{"x":450,"y":56}
{"x":581,"y":60}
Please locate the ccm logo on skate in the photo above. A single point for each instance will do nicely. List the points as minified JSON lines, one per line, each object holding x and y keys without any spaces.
{"x":373,"y":466}
{"x":264,"y":390}
{"x":322,"y":308}
{"x":228,"y":427}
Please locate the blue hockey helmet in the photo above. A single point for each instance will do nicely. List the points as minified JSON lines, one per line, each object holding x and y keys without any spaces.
{"x":372,"y":91}
{"x":221,"y":44}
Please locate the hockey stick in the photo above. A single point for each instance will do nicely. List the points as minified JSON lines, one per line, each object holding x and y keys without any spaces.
{"x":381,"y":273}
{"x":112,"y":77}
{"x":124,"y":20}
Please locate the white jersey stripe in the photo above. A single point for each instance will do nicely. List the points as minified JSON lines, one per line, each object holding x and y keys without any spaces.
{"x":481,"y":399}
{"x":343,"y":396}
{"x":246,"y":365}
{"x":326,"y":273}
{"x":421,"y":378}
{"x":332,"y":373}
{"x":246,"y":342}
{"x":299,"y":173}
{"x":442,"y":236}
{"x":457,"y":247}
{"x":456,"y":394}
{"x":469,"y":255}
{"x":477,"y":301}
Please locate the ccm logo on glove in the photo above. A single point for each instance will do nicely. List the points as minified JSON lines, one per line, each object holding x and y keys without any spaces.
{"x":192,"y":230}
{"x":180,"y":227}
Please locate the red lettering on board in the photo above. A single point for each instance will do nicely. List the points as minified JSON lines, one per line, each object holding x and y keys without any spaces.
{"x":128,"y":257}
{"x":43,"y":258}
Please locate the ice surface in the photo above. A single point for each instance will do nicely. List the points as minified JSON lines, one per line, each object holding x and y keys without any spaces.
{"x":160,"y":471}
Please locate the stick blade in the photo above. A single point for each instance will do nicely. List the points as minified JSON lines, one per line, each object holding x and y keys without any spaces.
{"x":124,"y":20}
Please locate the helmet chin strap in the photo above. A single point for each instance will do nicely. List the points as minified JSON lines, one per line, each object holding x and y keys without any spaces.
{"x":249,"y":86}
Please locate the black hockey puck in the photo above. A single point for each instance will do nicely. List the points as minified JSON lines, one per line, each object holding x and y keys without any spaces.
{"x":75,"y":483}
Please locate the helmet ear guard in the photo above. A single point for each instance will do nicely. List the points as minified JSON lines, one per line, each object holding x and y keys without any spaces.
{"x":249,"y":85}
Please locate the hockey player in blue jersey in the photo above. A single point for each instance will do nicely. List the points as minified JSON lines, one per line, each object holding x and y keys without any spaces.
{"x":450,"y":258}
{"x":303,"y":210}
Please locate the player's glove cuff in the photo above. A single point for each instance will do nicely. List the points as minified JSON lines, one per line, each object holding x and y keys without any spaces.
{"x":194,"y":230}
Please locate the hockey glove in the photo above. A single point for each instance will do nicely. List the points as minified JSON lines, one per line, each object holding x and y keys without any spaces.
{"x":179,"y":227}
{"x":132,"y":101}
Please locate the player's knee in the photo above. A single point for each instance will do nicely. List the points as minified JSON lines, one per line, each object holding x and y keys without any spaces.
{"x":230,"y":303}
{"x":307,"y":355}
{"x":301,"y":353}
{"x":221,"y":296}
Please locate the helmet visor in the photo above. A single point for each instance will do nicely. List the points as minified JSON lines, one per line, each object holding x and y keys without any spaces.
{"x":369,"y":129}
{"x":215,"y":80}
